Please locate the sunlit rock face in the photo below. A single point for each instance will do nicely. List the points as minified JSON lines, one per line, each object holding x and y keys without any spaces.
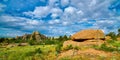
{"x":37,"y":36}
{"x":34,"y":36}
{"x":89,"y":34}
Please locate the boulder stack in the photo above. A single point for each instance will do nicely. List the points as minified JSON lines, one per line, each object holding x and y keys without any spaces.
{"x":34,"y":36}
{"x":25,"y":37}
{"x":37,"y":36}
{"x":17,"y":37}
{"x":89,"y":34}
{"x":86,"y":37}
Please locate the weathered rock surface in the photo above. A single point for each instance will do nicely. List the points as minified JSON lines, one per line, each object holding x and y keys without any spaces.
{"x":25,"y":37}
{"x":34,"y":36}
{"x":88,"y":52}
{"x":108,"y":38}
{"x":88,"y":35}
{"x":85,"y":43}
{"x":23,"y":44}
{"x":37,"y":36}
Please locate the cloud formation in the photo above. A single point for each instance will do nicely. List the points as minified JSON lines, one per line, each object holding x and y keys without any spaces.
{"x":59,"y":17}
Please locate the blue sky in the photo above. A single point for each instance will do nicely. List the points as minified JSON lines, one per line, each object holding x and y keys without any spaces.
{"x":58,"y":17}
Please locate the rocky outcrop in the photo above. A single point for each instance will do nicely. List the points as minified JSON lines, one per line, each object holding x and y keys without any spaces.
{"x":18,"y":37}
{"x":34,"y":36}
{"x":88,"y":35}
{"x":82,"y":44}
{"x":86,"y":38}
{"x":88,"y":54}
{"x":37,"y":36}
{"x":108,"y":38}
{"x":23,"y":44}
{"x":25,"y":37}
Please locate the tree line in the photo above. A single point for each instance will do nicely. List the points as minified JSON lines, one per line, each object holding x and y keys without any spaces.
{"x":114,"y":35}
{"x":49,"y":40}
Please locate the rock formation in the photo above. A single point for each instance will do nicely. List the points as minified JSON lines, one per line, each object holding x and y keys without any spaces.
{"x":34,"y":36}
{"x":83,"y":43}
{"x":37,"y":36}
{"x":17,"y":37}
{"x":25,"y":37}
{"x":108,"y":38}
{"x":86,"y":38}
{"x":88,"y":35}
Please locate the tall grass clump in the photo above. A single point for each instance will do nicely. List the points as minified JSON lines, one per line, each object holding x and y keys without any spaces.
{"x":110,"y":46}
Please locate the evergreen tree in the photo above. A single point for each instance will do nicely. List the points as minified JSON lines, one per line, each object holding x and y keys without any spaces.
{"x":118,"y":32}
{"x":53,"y":38}
{"x":60,"y":38}
{"x":65,"y":37}
{"x":112,"y":35}
{"x":1,"y":40}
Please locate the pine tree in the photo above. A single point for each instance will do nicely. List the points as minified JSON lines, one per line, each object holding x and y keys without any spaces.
{"x":112,"y":35}
{"x":118,"y":32}
{"x":65,"y":37}
{"x":60,"y":38}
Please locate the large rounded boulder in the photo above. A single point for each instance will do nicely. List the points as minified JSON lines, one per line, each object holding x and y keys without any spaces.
{"x":88,"y":35}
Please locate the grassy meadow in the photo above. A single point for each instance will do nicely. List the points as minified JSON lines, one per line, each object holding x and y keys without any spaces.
{"x":35,"y":52}
{"x":52,"y":51}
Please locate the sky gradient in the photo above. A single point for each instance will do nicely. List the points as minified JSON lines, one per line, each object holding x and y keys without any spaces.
{"x":57,"y":17}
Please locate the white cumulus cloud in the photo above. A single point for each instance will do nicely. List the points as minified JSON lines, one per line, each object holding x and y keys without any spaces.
{"x":39,"y":12}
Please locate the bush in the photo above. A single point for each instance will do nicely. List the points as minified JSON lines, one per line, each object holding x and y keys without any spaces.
{"x":110,"y":41}
{"x":112,"y":35}
{"x":31,"y":42}
{"x":69,"y":47}
{"x":65,"y":58}
{"x":58,"y":48}
{"x":106,"y":48}
{"x":110,"y":46}
{"x":47,"y":42}
{"x":32,"y":53}
{"x":38,"y":50}
{"x":76,"y":48}
{"x":118,"y":35}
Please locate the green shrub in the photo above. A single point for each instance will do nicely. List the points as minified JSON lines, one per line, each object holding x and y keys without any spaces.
{"x":31,"y":42}
{"x":110,"y":45}
{"x":106,"y":48}
{"x":95,"y":46}
{"x":118,"y":35}
{"x":110,"y":41}
{"x":76,"y":48}
{"x":65,"y":58}
{"x":58,"y":48}
{"x":112,"y":35}
{"x":38,"y":50}
{"x":68,"y":47}
{"x":32,"y":53}
{"x":48,"y":42}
